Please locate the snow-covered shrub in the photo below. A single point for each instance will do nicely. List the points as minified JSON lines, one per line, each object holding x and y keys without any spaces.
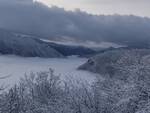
{"x":44,"y":92}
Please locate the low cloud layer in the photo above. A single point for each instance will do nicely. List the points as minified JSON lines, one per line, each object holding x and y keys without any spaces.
{"x":37,"y":19}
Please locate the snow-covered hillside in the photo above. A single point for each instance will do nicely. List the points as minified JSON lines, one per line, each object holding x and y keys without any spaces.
{"x":126,"y":84}
{"x":23,"y":45}
{"x":31,"y":46}
{"x":114,"y":63}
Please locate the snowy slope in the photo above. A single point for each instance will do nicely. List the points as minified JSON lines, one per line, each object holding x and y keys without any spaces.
{"x":23,"y":45}
{"x":29,"y":46}
{"x":114,"y":63}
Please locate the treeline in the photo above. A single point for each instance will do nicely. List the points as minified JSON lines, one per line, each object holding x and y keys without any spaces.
{"x":44,"y":92}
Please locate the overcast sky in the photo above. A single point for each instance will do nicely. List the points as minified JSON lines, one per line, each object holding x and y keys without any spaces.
{"x":28,"y":17}
{"x":136,"y":7}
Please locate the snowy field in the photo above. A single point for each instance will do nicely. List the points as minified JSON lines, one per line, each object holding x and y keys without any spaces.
{"x":15,"y":67}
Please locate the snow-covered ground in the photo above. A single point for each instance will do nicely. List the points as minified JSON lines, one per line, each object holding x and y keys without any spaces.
{"x":15,"y":67}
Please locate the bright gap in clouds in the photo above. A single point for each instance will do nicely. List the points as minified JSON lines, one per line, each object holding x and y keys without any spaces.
{"x":135,"y":7}
{"x":67,"y":4}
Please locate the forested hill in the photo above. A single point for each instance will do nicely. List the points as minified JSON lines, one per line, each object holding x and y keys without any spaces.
{"x":30,"y":46}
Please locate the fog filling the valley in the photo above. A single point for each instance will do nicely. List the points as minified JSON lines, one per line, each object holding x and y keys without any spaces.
{"x":34,"y":18}
{"x":13,"y":68}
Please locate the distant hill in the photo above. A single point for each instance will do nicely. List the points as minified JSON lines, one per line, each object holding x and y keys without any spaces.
{"x":23,"y":45}
{"x":68,"y":50}
{"x":30,"y":46}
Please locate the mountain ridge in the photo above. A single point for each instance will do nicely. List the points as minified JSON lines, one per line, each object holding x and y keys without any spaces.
{"x":31,"y":46}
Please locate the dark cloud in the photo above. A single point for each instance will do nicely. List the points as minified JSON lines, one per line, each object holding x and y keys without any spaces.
{"x":37,"y":19}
